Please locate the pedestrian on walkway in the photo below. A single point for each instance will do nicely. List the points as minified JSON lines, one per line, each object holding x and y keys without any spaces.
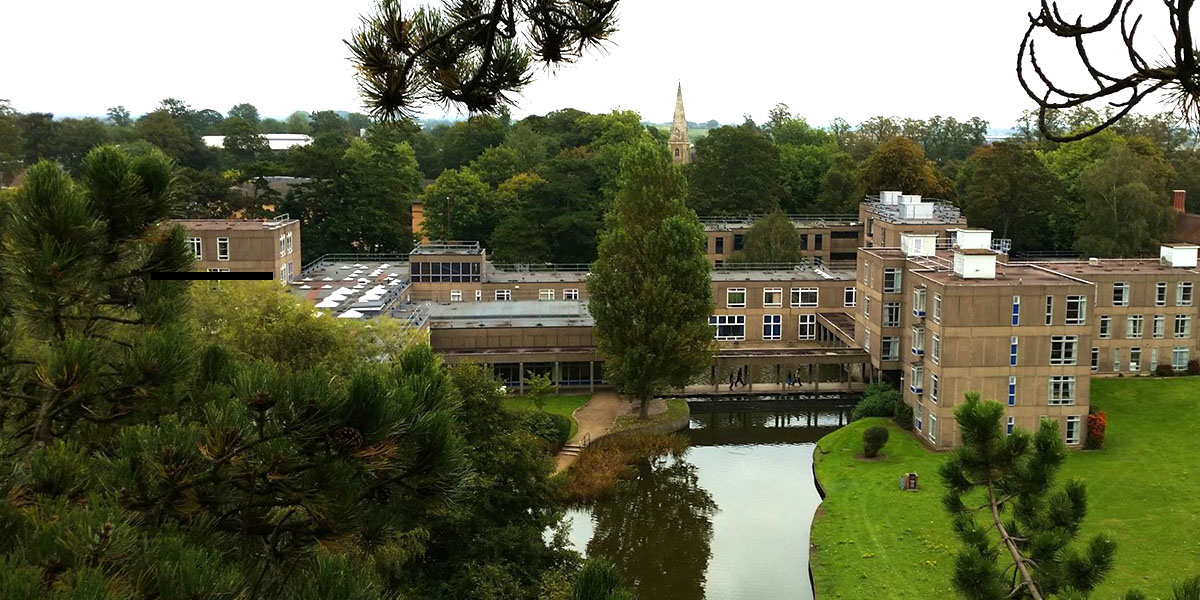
{"x":740,"y":381}
{"x":731,"y":381}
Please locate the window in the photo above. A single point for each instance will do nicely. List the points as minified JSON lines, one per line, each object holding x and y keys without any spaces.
{"x":1160,"y":293}
{"x":739,"y":241}
{"x":773,"y":297}
{"x":918,"y":412}
{"x":808,"y":327}
{"x":1073,"y":430}
{"x":735,"y":298}
{"x":1008,"y":428}
{"x":1153,"y":359}
{"x":1159,"y":326}
{"x":804,"y":241}
{"x":285,"y":274}
{"x":805,"y":297}
{"x":282,"y":244}
{"x":849,"y":296}
{"x":1116,"y":359}
{"x":916,"y":379}
{"x":933,"y":387}
{"x":1135,"y":359}
{"x":867,"y":306}
{"x":867,"y":340}
{"x":918,"y":341}
{"x":891,"y":280}
{"x":218,"y":270}
{"x":891,"y":314}
{"x":1012,"y":351}
{"x":935,"y":348}
{"x":1062,"y":349}
{"x":772,"y":327}
{"x":937,"y":308}
{"x":918,"y":302}
{"x":1133,"y":326}
{"x":571,"y":294}
{"x":1016,"y":311}
{"x":932,"y":427}
{"x":1183,"y":326}
{"x":479,"y":295}
{"x":223,"y":248}
{"x":1179,"y":358}
{"x":817,"y":241}
{"x":720,"y":245}
{"x":729,"y":327}
{"x":1120,"y":294}
{"x":889,"y":348}
{"x":1012,"y":390}
{"x":456,"y":295}
{"x":1105,"y":327}
{"x":503,"y":295}
{"x":289,"y":242}
{"x":1095,"y":359}
{"x":1183,"y":293}
{"x":1062,"y":390}
{"x":445,"y":272}
{"x":545,"y":294}
{"x":1049,"y":310}
{"x":195,"y":244}
{"x":1076,"y":310}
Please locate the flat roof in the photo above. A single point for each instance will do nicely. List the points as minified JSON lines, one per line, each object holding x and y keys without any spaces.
{"x":1006,"y":276}
{"x":1114,"y":265}
{"x":536,"y":277}
{"x":798,"y":273}
{"x":354,"y":278}
{"x":519,"y":313}
{"x":944,"y":213}
{"x":449,"y":247}
{"x":731,"y":223}
{"x":234,"y":224}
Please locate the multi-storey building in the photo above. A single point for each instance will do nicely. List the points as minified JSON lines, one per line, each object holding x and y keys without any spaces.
{"x":823,"y":238}
{"x":891,"y":214}
{"x":268,"y":245}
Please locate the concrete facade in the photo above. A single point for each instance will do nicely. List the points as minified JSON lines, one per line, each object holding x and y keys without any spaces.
{"x":271,"y":245}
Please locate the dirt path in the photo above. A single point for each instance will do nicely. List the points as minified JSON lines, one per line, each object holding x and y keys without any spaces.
{"x":594,"y":419}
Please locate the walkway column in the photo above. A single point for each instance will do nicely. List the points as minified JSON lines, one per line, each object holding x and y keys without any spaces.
{"x":592,"y":376}
{"x":778,"y":378}
{"x":817,"y":378}
{"x":556,"y":374}
{"x":521,"y":377}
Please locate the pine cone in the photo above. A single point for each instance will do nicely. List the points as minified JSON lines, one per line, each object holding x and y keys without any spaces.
{"x":261,"y":401}
{"x":347,"y":438}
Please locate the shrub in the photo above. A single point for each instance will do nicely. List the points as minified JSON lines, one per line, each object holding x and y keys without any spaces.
{"x":602,"y":465}
{"x":874,"y":439}
{"x":1193,"y":367}
{"x":1164,"y":371}
{"x":878,"y":401}
{"x":1097,"y":426}
{"x":903,"y":416}
{"x":555,"y":429}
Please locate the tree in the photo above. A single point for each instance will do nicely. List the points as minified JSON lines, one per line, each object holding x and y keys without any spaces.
{"x":771,"y":239}
{"x":1126,"y":206}
{"x":496,"y":165}
{"x":1008,"y":189}
{"x":119,"y":116}
{"x":298,"y":122}
{"x":874,"y":438}
{"x":459,"y":206}
{"x":246,"y":112}
{"x":900,"y":164}
{"x":649,"y":288}
{"x":598,"y":579}
{"x":540,"y":388}
{"x":468,"y":53}
{"x":839,"y":187}
{"x":166,"y":132}
{"x":242,"y":139}
{"x":1035,"y":522}
{"x":11,"y":143}
{"x":803,"y":170}
{"x":466,"y":140}
{"x":40,"y":133}
{"x":736,"y":172}
{"x":1177,"y":74}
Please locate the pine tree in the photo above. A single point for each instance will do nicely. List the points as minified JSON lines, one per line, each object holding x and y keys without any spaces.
{"x":1012,"y":478}
{"x":649,"y":288}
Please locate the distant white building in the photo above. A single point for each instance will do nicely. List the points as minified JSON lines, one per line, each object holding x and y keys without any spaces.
{"x":276,"y":141}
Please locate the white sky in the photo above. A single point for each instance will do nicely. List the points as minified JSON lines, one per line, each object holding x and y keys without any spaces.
{"x":824,"y":59}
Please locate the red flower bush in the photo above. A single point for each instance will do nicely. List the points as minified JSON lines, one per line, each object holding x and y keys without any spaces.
{"x":1097,"y":425}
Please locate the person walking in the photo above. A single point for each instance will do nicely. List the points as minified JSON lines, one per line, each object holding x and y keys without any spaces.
{"x":740,"y":382}
{"x":731,"y":381}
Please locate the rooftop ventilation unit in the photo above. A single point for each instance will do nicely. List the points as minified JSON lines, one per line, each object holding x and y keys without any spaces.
{"x":973,"y":239}
{"x":1179,"y":255}
{"x":975,"y":264}
{"x":918,"y":244}
{"x":890,"y":198}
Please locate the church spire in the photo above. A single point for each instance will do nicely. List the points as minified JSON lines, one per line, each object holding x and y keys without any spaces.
{"x":679,"y":143}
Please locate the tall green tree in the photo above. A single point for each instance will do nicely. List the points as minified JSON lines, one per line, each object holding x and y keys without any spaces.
{"x":803,"y":170}
{"x":246,"y":112}
{"x":1126,"y":204}
{"x":1008,"y":189}
{"x":1015,"y":523}
{"x":736,"y":171}
{"x":899,"y":164}
{"x":459,"y":206}
{"x":771,"y":239}
{"x":649,"y":288}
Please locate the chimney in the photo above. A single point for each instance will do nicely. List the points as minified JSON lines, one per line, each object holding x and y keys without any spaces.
{"x":1179,"y":200}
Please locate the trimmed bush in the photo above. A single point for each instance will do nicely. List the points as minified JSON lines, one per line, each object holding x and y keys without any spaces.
{"x":1164,"y":371}
{"x":878,"y":401}
{"x":1097,"y":426}
{"x":874,"y":439}
{"x":903,"y":416}
{"x":554,"y":429}
{"x":1193,"y":367}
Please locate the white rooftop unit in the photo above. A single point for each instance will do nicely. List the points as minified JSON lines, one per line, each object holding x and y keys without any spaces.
{"x":918,"y":244}
{"x":973,"y":239}
{"x":916,"y":210}
{"x":910,"y":199}
{"x":890,"y":198}
{"x":1179,"y":255}
{"x":975,"y":264}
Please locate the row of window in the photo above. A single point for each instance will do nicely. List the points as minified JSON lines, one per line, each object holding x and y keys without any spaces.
{"x":1183,"y":293}
{"x":733,"y":327}
{"x":1135,"y":324}
{"x":1059,"y":392}
{"x":739,"y":241}
{"x":800,"y":297}
{"x":1179,"y":359}
{"x":1071,"y":434}
{"x":1075,"y":313}
{"x":285,"y":244}
{"x":197,"y":246}
{"x":506,"y":295}
{"x":445,"y":272}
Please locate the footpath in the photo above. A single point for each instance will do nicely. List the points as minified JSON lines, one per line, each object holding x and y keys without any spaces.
{"x":594,"y":418}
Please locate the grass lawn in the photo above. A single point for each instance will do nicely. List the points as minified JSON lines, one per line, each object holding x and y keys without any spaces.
{"x":676,"y":408}
{"x":873,"y":540}
{"x":559,"y":405}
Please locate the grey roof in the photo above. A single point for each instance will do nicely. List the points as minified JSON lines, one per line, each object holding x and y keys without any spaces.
{"x":520,"y":313}
{"x":798,"y":273}
{"x":943,"y":212}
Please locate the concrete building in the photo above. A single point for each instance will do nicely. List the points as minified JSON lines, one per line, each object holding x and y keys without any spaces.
{"x":890,"y":214}
{"x":824,"y":239}
{"x":240,"y":245}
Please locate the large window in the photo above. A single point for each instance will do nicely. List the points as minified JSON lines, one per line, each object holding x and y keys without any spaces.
{"x":1183,"y":293}
{"x":503,"y":295}
{"x":290,"y":247}
{"x":1012,"y":351}
{"x":1133,"y":326}
{"x":918,"y":341}
{"x":1095,"y":359}
{"x":571,"y":294}
{"x":772,"y":327}
{"x":1135,"y":359}
{"x":1076,"y":310}
{"x":933,"y":387}
{"x":808,"y":327}
{"x":805,"y":297}
{"x":545,"y":294}
{"x":1063,"y":349}
{"x":735,"y":297}
{"x":889,"y":347}
{"x":918,"y":302}
{"x":1153,"y":359}
{"x":1120,"y":294}
{"x":916,"y":379}
{"x":937,"y":308}
{"x":720,"y":245}
{"x":739,"y":242}
{"x":891,"y":280}
{"x":728,"y":327}
{"x":935,"y":348}
{"x":1049,"y":310}
{"x":772,"y":297}
{"x":196,"y":245}
{"x":933,"y":427}
{"x":1160,"y":293}
{"x":1062,"y":390}
{"x":445,"y":272}
{"x":850,"y":296}
{"x":1159,"y":326}
{"x":223,"y":248}
{"x":891,"y":314}
{"x":1105,"y":327}
{"x":1179,"y":358}
{"x":1016,"y":311}
{"x":456,"y":295}
{"x":282,"y":244}
{"x":1008,"y":428}
{"x":1183,"y":326}
{"x":1012,"y":390}
{"x":1073,"y":429}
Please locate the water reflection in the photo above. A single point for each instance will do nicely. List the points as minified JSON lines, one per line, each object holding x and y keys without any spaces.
{"x":729,"y":520}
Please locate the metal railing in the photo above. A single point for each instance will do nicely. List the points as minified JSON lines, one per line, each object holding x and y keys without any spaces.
{"x":449,"y":246}
{"x":541,"y":268}
{"x":338,"y":257}
{"x":821,"y":219}
{"x":803,"y":265}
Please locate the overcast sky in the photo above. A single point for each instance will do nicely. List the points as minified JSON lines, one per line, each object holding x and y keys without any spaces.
{"x":826,"y":59}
